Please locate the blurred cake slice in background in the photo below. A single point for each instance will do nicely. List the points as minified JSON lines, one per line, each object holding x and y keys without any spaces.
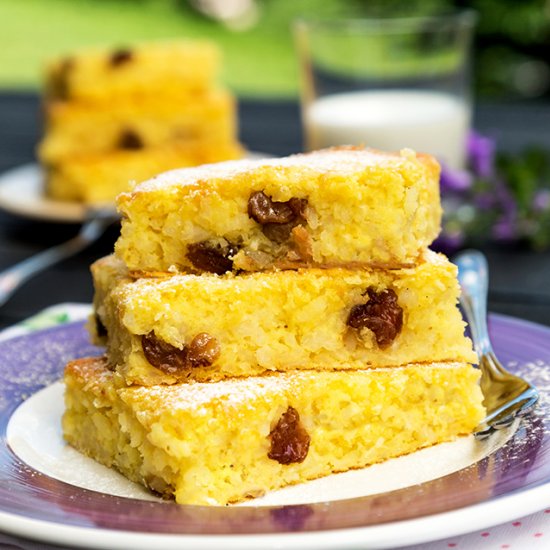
{"x":99,"y":178}
{"x":77,"y":128}
{"x":99,"y":75}
{"x":116,"y":117}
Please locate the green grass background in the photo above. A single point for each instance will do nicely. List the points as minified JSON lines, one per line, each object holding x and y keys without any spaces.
{"x":257,"y":61}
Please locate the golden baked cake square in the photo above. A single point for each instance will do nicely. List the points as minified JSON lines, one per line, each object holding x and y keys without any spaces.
{"x":340,"y":207}
{"x":207,"y":327}
{"x":99,"y":178}
{"x":74,"y":128}
{"x":98,"y":75}
{"x":223,"y":442}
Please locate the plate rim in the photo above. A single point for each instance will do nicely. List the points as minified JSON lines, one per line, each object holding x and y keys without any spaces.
{"x":516,"y":503}
{"x":34,"y":205}
{"x":419,"y":530}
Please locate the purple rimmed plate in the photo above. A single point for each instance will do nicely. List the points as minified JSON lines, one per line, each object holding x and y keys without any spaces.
{"x":512,"y":481}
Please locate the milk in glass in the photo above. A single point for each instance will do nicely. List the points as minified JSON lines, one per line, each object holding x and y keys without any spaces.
{"x":426,"y":121}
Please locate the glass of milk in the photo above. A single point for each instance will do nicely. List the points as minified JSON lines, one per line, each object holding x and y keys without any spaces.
{"x":388,"y":83}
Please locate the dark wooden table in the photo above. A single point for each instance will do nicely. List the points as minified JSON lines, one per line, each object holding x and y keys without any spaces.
{"x":520,"y":279}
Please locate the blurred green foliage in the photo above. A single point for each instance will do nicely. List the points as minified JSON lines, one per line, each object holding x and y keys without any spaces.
{"x":511,"y":59}
{"x":512,"y":46}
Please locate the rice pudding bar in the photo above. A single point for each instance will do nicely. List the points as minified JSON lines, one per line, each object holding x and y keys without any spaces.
{"x":346,"y":206}
{"x":218,"y":443}
{"x":76,"y":128}
{"x":99,"y":178}
{"x":170,"y":329}
{"x":100,"y":74}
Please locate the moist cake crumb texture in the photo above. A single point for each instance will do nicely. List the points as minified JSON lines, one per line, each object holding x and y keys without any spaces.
{"x":342,"y":207}
{"x":280,"y":320}
{"x":217,"y":443}
{"x":270,"y":322}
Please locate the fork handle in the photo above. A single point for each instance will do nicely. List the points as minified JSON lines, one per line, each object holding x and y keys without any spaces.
{"x":473,"y":278}
{"x":13,"y":277}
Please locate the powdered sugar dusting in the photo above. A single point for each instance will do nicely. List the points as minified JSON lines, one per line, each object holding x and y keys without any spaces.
{"x":538,"y":373}
{"x":27,"y":368}
{"x":343,"y":160}
{"x":236,"y":392}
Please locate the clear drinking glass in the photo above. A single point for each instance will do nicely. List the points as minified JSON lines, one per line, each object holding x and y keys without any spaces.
{"x":388,"y":83}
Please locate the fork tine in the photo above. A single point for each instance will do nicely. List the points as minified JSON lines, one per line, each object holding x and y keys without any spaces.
{"x":483,"y":431}
{"x":504,"y":422}
{"x":515,"y":407}
{"x":506,"y":396}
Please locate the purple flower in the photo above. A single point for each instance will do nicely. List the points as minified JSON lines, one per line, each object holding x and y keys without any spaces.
{"x":481,"y":154}
{"x":505,"y":199}
{"x":484,"y":201}
{"x":541,"y":200}
{"x":504,"y":229}
{"x":449,"y":241}
{"x":455,"y":180}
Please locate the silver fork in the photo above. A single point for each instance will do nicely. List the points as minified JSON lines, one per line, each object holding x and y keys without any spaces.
{"x":96,"y":222}
{"x":506,"y":396}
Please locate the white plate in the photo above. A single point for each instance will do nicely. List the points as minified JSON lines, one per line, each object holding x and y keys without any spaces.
{"x":22,"y":193}
{"x":34,"y":435}
{"x":50,"y":493}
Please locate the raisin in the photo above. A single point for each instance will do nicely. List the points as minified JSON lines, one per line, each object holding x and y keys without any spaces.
{"x":130,"y":140}
{"x":206,"y":256}
{"x":289,"y":439}
{"x":263,"y":209}
{"x":67,"y":66}
{"x":203,"y":350}
{"x":163,"y":355}
{"x":100,"y":328}
{"x":60,"y":81}
{"x":298,"y":206}
{"x":278,"y":233}
{"x":120,"y":57}
{"x":278,"y":219}
{"x":381,"y":314}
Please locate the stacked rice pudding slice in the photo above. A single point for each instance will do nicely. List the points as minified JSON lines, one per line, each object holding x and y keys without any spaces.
{"x":122,"y":115}
{"x":271,"y":322}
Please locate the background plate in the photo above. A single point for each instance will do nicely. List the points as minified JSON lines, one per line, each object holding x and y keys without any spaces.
{"x":510,"y":482}
{"x":21,"y":193}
